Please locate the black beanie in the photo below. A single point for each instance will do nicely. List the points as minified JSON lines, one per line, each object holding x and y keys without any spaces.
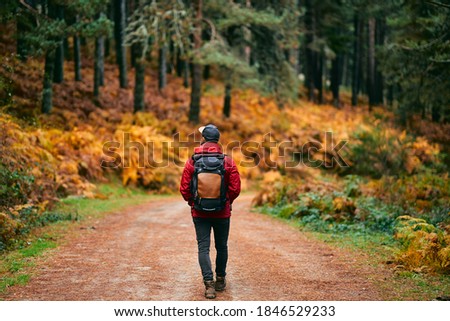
{"x":210,"y":133}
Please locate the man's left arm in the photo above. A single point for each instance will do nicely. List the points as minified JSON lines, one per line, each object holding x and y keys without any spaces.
{"x":185,"y":184}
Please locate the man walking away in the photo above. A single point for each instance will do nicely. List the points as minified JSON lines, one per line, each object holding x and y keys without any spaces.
{"x":210,"y":183}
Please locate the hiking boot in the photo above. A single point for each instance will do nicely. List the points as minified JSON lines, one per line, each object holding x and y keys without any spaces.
{"x":210,"y":291}
{"x":220,"y":283}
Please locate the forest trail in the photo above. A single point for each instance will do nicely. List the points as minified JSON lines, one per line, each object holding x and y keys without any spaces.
{"x":149,"y":253}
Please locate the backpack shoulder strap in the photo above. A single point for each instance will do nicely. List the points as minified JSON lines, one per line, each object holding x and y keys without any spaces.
{"x":196,"y":157}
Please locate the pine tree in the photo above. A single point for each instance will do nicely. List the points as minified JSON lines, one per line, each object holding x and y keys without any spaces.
{"x":160,"y":22}
{"x":58,"y":76}
{"x":162,"y":67}
{"x":51,"y":31}
{"x":77,"y":54}
{"x":196,"y":84}
{"x":415,"y":59}
{"x":262,"y":30}
{"x":98,"y":64}
{"x":119,"y":36}
{"x":139,"y":87}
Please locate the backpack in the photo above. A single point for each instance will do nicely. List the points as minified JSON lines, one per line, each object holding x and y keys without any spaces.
{"x":208,"y":182}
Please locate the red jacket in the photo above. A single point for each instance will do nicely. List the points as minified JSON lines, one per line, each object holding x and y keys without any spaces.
{"x":232,"y":180}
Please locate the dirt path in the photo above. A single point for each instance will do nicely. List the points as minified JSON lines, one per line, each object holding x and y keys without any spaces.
{"x":149,"y":253}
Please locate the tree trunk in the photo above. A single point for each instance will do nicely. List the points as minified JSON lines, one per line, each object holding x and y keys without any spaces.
{"x":379,"y":41}
{"x":297,"y":51}
{"x":206,"y":72}
{"x":390,"y":95}
{"x":185,"y":73}
{"x":102,"y":61}
{"x":67,"y":53}
{"x":148,"y":53}
{"x":22,"y":29}
{"x":170,"y":61}
{"x":363,"y":58}
{"x":139,"y":86}
{"x":298,"y":60}
{"x":336,"y":79}
{"x":133,"y":54}
{"x":162,"y":68}
{"x":98,"y":64}
{"x":310,"y":55}
{"x":58,"y":76}
{"x":24,"y":23}
{"x":194,"y":111}
{"x":107,"y":47}
{"x":247,"y":39}
{"x":357,"y":24}
{"x":344,"y":71}
{"x":47,"y":92}
{"x":77,"y":58}
{"x":371,"y":62}
{"x":179,"y":65}
{"x":319,"y":79}
{"x":134,"y":49}
{"x":227,"y":101}
{"x":77,"y":55}
{"x":119,"y":35}
{"x":110,"y":15}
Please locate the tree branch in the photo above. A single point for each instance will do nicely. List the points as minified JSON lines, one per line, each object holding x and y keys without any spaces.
{"x":213,"y":28}
{"x":440,"y":61}
{"x":439,"y":4}
{"x":35,"y":13}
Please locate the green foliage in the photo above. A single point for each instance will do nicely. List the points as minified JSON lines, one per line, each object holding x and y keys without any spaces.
{"x":427,"y":192}
{"x":161,"y":21}
{"x":333,"y":33}
{"x":422,"y":245}
{"x":234,"y":68}
{"x":6,"y":83}
{"x":412,"y":211}
{"x":50,"y":29}
{"x":47,"y":36}
{"x":8,"y":10}
{"x":381,"y":151}
{"x":337,"y":212}
{"x":37,"y":247}
{"x":15,"y":187}
{"x":98,"y":27}
{"x":266,"y":28}
{"x":49,"y":217}
{"x":85,"y":8}
{"x":13,"y":265}
{"x":17,"y":221}
{"x":237,"y":15}
{"x":6,"y":282}
{"x":416,"y":59}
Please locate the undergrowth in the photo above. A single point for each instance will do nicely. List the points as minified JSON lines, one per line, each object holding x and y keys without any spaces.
{"x":405,"y":195}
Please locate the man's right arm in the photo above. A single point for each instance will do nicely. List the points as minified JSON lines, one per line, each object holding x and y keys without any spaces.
{"x":234,"y":183}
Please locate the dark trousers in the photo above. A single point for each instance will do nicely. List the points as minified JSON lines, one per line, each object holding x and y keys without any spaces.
{"x":221,"y":227}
